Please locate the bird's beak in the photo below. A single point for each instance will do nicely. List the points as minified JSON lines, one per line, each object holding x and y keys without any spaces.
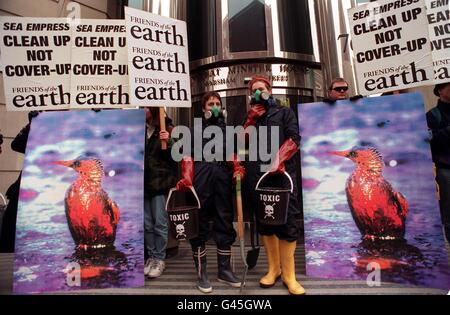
{"x":339,"y":153}
{"x":64,"y":163}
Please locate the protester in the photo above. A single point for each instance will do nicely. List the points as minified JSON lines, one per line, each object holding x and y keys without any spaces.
{"x":438,"y":120}
{"x":213,"y":182}
{"x":160,"y":175}
{"x":338,"y":91}
{"x":280,"y":242}
{"x":8,"y":231}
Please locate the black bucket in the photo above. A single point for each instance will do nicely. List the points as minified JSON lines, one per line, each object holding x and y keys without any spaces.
{"x":183,"y":220}
{"x":273,"y":202}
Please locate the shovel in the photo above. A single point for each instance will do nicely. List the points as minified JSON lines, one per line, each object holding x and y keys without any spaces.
{"x":241,"y":229}
{"x":253,"y":254}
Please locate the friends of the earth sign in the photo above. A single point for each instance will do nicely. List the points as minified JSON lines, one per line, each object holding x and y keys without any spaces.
{"x":36,"y":56}
{"x":51,"y":64}
{"x":158,"y":60}
{"x":400,"y":44}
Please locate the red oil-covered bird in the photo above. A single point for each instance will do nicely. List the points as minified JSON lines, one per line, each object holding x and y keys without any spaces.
{"x":378,"y":210}
{"x":91,"y":215}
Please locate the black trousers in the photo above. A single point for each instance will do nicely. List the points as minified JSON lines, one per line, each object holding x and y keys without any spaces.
{"x":213,"y":184}
{"x":443,"y":180}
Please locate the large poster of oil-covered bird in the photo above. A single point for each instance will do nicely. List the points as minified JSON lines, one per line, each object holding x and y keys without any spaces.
{"x":370,"y":205}
{"x":80,"y":214}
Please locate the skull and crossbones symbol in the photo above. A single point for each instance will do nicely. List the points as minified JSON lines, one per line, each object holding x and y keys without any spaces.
{"x":179,"y":228}
{"x":269,"y":210}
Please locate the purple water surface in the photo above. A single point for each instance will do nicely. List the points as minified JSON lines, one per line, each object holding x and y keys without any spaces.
{"x":45,"y":249}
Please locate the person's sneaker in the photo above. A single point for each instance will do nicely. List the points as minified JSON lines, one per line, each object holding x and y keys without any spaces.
{"x":148,"y":266}
{"x":157,"y":269}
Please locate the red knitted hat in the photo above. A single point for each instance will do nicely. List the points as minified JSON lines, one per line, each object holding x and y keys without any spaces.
{"x":259,"y":78}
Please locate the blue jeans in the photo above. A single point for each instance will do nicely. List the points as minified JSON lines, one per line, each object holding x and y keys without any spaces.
{"x":155,"y":227}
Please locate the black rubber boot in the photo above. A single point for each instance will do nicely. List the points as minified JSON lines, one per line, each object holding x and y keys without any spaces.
{"x":225,"y":274}
{"x":200,"y":265}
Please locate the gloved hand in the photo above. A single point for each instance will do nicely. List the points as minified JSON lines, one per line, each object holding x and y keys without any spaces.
{"x":238,"y":169}
{"x":254,"y":114}
{"x":187,"y":174}
{"x":285,"y":153}
{"x":329,"y":101}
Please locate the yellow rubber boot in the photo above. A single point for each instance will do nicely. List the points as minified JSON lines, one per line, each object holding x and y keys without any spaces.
{"x":271,"y":245}
{"x":287,"y":253}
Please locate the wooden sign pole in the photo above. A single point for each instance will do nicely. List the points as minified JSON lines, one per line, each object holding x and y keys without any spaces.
{"x":162,"y":125}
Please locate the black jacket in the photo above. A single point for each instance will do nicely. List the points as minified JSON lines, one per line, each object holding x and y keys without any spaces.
{"x":217,"y":151}
{"x":440,"y":141}
{"x":7,"y":237}
{"x":284,"y":118}
{"x":19,"y":144}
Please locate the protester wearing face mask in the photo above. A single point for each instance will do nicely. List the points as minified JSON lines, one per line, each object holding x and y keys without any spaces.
{"x":279,"y":241}
{"x":213,"y":111}
{"x":213,"y":181}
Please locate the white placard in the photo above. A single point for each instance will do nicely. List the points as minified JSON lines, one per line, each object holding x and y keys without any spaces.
{"x":99,"y":65}
{"x":36,"y":56}
{"x":391,"y":45}
{"x":158,"y":60}
{"x":439,"y":27}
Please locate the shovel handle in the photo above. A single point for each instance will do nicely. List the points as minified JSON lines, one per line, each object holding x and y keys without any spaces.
{"x":239,"y":208}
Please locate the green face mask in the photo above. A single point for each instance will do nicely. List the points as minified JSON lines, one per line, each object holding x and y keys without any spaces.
{"x":258,"y":95}
{"x":215,"y":111}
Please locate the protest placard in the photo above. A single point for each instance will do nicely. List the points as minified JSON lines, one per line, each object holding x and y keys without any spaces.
{"x":99,"y":65}
{"x":36,"y":55}
{"x":158,"y":60}
{"x":391,"y":45}
{"x":439,"y":26}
